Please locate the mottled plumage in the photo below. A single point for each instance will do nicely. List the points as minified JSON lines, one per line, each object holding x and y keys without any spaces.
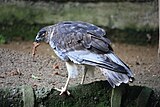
{"x":82,"y":43}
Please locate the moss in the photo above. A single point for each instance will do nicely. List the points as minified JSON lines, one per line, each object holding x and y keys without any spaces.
{"x":129,"y":99}
{"x":96,"y":94}
{"x":91,"y":95}
{"x":11,"y":97}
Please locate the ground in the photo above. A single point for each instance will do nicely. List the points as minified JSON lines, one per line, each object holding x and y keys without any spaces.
{"x":17,"y":67}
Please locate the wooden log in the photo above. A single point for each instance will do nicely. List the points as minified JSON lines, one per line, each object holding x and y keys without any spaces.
{"x":28,"y":96}
{"x":116,"y":96}
{"x":17,"y":97}
{"x":143,"y":97}
{"x":96,"y":94}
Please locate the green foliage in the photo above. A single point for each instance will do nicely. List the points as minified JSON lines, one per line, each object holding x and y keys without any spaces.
{"x":117,"y":15}
{"x":2,"y":39}
{"x":133,"y":36}
{"x":20,"y":30}
{"x":11,"y":13}
{"x":124,"y":22}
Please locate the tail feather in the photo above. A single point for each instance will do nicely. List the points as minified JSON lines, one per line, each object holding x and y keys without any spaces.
{"x":116,"y":78}
{"x":117,"y":60}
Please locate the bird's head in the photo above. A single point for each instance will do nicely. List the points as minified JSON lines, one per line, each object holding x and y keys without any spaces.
{"x":42,"y":35}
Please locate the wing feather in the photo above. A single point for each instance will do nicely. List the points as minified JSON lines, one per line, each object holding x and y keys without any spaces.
{"x":86,"y":57}
{"x":72,"y":35}
{"x":83,"y":43}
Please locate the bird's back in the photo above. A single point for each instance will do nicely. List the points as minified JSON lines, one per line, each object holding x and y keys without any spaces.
{"x":67,"y":27}
{"x":77,"y":35}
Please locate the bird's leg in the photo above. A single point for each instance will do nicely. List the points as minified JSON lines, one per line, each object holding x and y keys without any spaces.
{"x":70,"y":68}
{"x":87,"y":69}
{"x":72,"y":73}
{"x":64,"y":89}
{"x":84,"y":75}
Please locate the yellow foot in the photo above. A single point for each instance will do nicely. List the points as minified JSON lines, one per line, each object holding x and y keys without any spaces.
{"x":63,"y":91}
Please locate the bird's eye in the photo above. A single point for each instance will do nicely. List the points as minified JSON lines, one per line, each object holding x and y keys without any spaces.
{"x":43,"y":34}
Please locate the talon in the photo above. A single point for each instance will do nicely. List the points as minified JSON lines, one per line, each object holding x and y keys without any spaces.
{"x":63,"y":91}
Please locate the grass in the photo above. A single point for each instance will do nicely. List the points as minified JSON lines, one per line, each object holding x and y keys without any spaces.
{"x":24,"y":19}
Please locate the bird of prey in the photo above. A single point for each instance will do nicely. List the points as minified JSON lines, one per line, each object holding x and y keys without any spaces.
{"x":77,"y":42}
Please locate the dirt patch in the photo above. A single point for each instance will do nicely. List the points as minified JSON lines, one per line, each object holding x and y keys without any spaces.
{"x":18,"y":68}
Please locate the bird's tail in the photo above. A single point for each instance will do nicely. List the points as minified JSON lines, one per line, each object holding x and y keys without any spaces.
{"x":115,"y":78}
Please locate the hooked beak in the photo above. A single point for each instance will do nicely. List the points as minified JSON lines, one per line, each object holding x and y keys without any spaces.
{"x":37,"y":40}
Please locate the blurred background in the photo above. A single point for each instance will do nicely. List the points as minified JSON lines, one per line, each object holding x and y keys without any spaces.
{"x":127,"y":21}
